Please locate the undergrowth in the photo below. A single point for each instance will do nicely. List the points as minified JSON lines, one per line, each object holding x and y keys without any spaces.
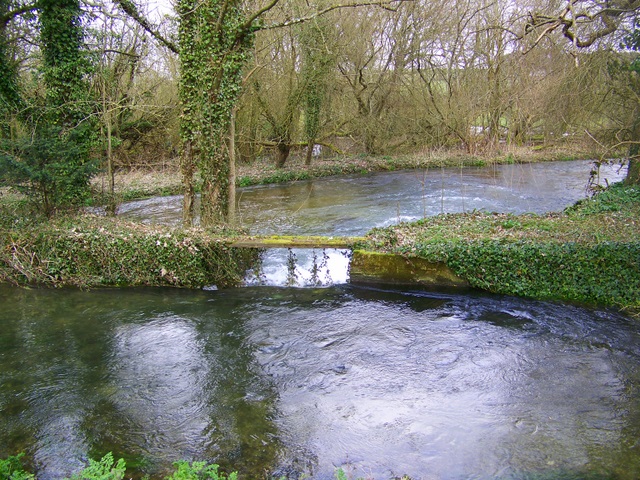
{"x":86,"y":251}
{"x":108,"y":469}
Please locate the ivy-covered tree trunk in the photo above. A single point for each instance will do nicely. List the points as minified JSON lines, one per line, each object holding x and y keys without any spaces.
{"x":64,"y":66}
{"x":190,"y":100}
{"x":67,"y":131}
{"x":10,"y":99}
{"x":215,"y":43}
{"x":633,"y":174}
{"x":318,"y":60}
{"x":633,"y":171}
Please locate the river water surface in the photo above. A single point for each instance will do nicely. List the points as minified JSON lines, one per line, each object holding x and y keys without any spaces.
{"x":301,"y":381}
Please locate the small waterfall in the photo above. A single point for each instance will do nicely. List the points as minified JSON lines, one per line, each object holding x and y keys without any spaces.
{"x":301,"y":267}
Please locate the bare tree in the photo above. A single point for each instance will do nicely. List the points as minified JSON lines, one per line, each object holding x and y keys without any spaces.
{"x":583,"y":22}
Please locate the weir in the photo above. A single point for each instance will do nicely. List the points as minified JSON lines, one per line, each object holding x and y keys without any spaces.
{"x":363,"y":267}
{"x":295,"y":241}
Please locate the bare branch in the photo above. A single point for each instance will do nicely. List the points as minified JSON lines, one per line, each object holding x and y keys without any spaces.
{"x":130,"y":9}
{"x":603,"y":19}
{"x":249,"y":23}
{"x":8,"y":16}
{"x":385,"y":4}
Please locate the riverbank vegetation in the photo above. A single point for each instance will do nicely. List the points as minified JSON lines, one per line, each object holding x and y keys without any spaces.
{"x":90,"y":251}
{"x":135,"y":183}
{"x":107,"y":468}
{"x":588,"y":253}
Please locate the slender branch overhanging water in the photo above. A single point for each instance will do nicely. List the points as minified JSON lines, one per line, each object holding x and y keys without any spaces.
{"x":300,"y":381}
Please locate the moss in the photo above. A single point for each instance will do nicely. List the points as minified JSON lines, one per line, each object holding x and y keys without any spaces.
{"x":292,"y":241}
{"x":375,"y":267}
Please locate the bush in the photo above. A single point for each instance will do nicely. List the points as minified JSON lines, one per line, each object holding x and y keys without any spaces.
{"x":52,"y":169}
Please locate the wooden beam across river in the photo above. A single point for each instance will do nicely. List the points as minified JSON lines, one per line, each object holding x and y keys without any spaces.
{"x":298,"y":241}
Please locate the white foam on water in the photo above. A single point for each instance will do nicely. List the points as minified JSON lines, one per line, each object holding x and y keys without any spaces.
{"x":301,"y":267}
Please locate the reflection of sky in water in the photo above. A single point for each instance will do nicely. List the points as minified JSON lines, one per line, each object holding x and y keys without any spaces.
{"x":451,"y":389}
{"x":434,"y":385}
{"x":165,"y":385}
{"x":58,"y":411}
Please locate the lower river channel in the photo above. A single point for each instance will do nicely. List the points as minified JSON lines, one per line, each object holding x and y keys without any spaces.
{"x":278,"y":381}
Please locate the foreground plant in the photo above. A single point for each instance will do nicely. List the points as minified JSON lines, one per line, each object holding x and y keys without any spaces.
{"x":107,"y":468}
{"x":199,"y":471}
{"x":11,"y":469}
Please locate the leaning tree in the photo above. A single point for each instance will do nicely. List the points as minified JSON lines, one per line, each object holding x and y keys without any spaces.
{"x":585,"y":22}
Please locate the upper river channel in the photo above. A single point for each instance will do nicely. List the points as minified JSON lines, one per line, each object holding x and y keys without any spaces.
{"x":278,"y":381}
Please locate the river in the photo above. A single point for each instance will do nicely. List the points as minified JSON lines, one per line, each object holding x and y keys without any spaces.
{"x":301,"y":381}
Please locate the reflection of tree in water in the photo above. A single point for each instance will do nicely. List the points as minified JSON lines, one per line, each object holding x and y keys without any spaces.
{"x":187,"y":384}
{"x":292,"y":275}
{"x":245,"y":398}
{"x":50,"y":359}
{"x":316,"y":269}
{"x":154,"y":376}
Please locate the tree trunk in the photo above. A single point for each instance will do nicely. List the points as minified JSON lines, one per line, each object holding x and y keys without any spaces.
{"x":111,"y":204}
{"x":633,"y":174}
{"x":309,"y":157}
{"x":282,"y":154}
{"x":215,"y":188}
{"x":232,"y":167}
{"x":187,"y":168}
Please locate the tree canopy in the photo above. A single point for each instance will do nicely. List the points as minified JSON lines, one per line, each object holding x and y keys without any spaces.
{"x":113,"y":85}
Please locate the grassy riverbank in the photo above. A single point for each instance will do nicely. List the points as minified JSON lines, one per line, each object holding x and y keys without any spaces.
{"x":588,"y":253}
{"x":89,"y":251}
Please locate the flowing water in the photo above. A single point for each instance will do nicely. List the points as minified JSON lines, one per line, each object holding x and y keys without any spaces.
{"x":301,"y":381}
{"x":353,"y":205}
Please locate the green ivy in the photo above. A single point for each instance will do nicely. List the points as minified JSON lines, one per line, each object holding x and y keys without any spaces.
{"x":215,"y":45}
{"x":605,"y":274}
{"x":110,"y":253}
{"x":590,"y":253}
{"x":49,"y":156}
{"x":318,"y":60}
